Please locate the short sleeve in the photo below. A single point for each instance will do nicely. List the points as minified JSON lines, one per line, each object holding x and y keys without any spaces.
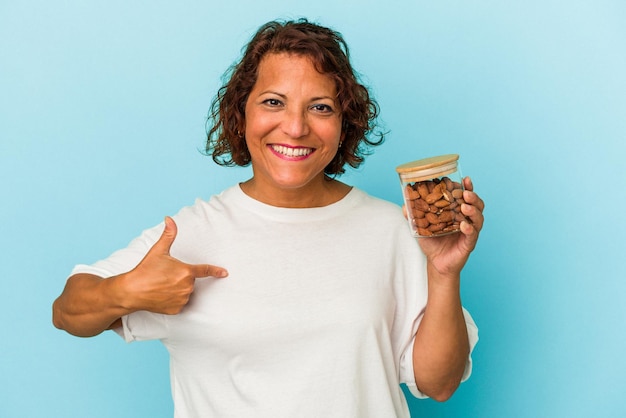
{"x":406,"y":365}
{"x":140,"y":325}
{"x":126,"y":259}
{"x":143,"y":326}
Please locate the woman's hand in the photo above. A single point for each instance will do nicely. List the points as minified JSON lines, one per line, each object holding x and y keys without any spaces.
{"x":161,"y":283}
{"x":449,"y":253}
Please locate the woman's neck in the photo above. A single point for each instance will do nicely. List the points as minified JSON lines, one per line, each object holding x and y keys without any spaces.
{"x":319,"y":194}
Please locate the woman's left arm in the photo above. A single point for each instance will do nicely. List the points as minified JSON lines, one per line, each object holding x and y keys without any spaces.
{"x":441,"y":345}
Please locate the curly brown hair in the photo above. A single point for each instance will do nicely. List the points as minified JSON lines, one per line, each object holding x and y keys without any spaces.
{"x":329,"y":53}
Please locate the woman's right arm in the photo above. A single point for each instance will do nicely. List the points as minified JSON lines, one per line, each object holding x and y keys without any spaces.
{"x":160,"y":283}
{"x":89,"y":305}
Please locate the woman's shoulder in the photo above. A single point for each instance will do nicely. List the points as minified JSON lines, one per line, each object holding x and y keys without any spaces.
{"x":377,"y":203}
{"x":378,"y":209}
{"x":212,"y":205}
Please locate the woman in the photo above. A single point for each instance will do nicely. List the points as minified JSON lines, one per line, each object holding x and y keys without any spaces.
{"x":317,"y":301}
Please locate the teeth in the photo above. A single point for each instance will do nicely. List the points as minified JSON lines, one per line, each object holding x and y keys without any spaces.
{"x":291,"y":152}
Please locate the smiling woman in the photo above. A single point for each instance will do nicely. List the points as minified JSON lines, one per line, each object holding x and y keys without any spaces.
{"x":301,"y":312}
{"x":329,"y":54}
{"x":292,"y":132}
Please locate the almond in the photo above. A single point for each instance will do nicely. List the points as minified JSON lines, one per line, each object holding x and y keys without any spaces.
{"x":433,"y":196}
{"x":422,"y":223}
{"x":436,"y":227}
{"x":457,"y":193}
{"x":432,"y":218}
{"x":422,"y":189}
{"x":418,"y":214}
{"x":446,"y":216}
{"x":421,"y":205}
{"x":424,"y":232}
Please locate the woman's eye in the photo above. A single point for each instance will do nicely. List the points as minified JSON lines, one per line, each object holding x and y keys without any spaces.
{"x":272,"y":102}
{"x":323,"y":108}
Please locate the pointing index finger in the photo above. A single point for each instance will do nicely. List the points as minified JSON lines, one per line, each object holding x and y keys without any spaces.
{"x":208,"y":270}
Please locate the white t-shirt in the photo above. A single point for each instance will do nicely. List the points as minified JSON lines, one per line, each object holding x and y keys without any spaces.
{"x":316,"y":319}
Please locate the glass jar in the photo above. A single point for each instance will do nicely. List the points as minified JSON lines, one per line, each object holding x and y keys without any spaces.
{"x":433,"y":194}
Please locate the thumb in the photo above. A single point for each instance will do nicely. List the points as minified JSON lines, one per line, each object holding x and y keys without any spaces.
{"x":164,"y":243}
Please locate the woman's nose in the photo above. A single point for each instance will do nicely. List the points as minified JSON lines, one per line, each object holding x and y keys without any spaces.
{"x":295,"y":123}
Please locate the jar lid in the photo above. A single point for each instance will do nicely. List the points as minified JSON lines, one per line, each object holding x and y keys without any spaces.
{"x":429,"y":167}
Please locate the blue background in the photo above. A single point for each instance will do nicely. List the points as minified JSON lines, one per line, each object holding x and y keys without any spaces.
{"x":102,"y":112}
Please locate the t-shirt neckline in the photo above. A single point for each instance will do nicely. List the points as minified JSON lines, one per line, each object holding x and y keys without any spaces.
{"x":343,"y":205}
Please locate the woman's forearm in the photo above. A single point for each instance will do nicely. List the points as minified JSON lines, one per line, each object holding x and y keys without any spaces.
{"x":441,"y":345}
{"x":88,"y":305}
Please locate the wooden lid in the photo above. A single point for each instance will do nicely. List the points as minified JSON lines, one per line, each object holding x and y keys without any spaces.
{"x":428,"y":168}
{"x":427,"y":163}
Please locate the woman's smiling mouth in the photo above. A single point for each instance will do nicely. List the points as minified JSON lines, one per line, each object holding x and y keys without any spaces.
{"x":291,"y":152}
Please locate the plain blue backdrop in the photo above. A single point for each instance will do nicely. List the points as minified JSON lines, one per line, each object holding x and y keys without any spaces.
{"x":102,"y":113}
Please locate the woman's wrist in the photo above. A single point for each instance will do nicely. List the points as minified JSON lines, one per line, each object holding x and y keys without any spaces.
{"x":446,"y":282}
{"x":120,"y":294}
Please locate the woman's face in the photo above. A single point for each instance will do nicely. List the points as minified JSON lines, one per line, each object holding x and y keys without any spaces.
{"x":293,"y":127}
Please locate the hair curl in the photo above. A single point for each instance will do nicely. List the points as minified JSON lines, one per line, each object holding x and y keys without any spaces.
{"x":330,"y":55}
